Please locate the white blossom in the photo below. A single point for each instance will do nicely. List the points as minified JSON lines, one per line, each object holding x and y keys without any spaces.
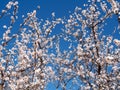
{"x":38,"y":7}
{"x":78,"y":56}
{"x":114,"y":6}
{"x":4,"y":26}
{"x":8,"y":6}
{"x":53,"y":14}
{"x":117,"y":42}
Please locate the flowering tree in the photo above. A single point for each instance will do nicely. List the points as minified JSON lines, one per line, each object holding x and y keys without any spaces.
{"x":33,"y":57}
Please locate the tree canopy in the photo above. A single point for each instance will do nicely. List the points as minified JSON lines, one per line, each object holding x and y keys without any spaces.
{"x":81,"y":56}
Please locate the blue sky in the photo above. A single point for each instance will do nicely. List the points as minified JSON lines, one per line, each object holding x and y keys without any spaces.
{"x":60,"y":7}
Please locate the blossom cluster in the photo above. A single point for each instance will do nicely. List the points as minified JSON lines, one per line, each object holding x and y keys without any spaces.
{"x":34,"y":56}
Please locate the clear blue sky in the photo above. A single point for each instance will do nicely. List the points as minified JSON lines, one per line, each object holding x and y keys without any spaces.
{"x":60,"y":7}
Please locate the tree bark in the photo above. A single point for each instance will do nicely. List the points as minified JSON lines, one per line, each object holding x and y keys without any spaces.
{"x":1,"y":86}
